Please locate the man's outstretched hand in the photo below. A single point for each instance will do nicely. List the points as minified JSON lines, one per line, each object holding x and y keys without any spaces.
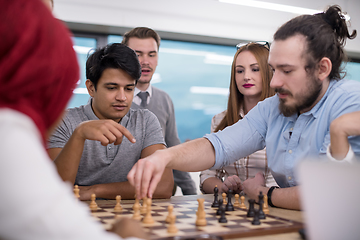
{"x":146,"y":174}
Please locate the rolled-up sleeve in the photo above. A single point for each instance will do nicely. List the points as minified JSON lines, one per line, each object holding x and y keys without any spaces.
{"x":235,"y":142}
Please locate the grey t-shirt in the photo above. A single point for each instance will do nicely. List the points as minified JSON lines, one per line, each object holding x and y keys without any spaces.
{"x":105,"y":164}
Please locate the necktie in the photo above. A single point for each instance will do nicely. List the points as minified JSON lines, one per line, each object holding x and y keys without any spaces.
{"x":143,"y":96}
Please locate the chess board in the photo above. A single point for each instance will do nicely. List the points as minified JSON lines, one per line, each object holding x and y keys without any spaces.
{"x":238,"y":224}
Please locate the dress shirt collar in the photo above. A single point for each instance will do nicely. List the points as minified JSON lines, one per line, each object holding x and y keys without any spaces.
{"x":149,"y":90}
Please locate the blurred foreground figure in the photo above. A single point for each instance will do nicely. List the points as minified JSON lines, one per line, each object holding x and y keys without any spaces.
{"x":38,"y":72}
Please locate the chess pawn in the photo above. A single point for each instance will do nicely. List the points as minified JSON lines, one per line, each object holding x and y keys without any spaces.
{"x":201,"y":216}
{"x":242,"y":202}
{"x":216,"y":201}
{"x":93,"y":205}
{"x":251,"y":211}
{"x":218,"y":212}
{"x":172,"y":228}
{"x":256,"y":220}
{"x":118,"y":207}
{"x":265,"y":205}
{"x":136,"y":209}
{"x":222,"y":218}
{"x":77,"y":191}
{"x":170,"y":210}
{"x":229,"y":206}
{"x":224,"y":198}
{"x":148,"y":218}
{"x":237,"y":203}
{"x":144,"y":206}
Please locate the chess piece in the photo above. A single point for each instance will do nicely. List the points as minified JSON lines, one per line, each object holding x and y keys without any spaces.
{"x":265,"y":205}
{"x":261,"y":203}
{"x":136,"y":209}
{"x":77,"y":191}
{"x":229,"y":206}
{"x":93,"y":205}
{"x":251,"y":211}
{"x":216,"y":201}
{"x":222,"y":218}
{"x":218,"y":212}
{"x":148,"y":218}
{"x":256,"y":220}
{"x":237,"y":203}
{"x":118,"y":208}
{"x":144,"y":206}
{"x":242,"y":202}
{"x":172,"y":228}
{"x":170,"y":210}
{"x":201,"y":216}
{"x":224,"y":198}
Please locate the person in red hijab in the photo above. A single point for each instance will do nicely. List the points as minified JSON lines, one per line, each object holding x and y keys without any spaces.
{"x":38,"y":72}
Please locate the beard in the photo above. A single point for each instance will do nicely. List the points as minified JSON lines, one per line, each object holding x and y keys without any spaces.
{"x":304,"y":99}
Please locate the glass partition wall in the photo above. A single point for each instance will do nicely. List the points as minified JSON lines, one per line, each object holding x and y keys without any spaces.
{"x":195,"y":75}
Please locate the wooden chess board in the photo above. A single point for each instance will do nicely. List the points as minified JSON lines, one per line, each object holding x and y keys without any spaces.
{"x":238,"y":224}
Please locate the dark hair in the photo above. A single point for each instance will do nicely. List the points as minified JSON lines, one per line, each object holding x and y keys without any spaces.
{"x":141,"y":32}
{"x":116,"y":56}
{"x":325,"y":34}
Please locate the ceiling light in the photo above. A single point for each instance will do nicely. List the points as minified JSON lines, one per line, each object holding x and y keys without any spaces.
{"x":272,"y":6}
{"x":276,"y":7}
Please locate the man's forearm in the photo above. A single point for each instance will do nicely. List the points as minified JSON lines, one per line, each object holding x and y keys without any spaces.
{"x":192,"y":156}
{"x":286,"y":198}
{"x":165,"y":187}
{"x":68,"y":160}
{"x":339,"y":145}
{"x":209,"y":184}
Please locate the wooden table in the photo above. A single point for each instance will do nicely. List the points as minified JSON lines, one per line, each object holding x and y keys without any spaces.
{"x":268,"y":232}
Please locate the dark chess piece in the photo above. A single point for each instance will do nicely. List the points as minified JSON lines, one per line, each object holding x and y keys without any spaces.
{"x":222,"y":218}
{"x":229,"y":206}
{"x":261,"y":204}
{"x":216,"y":194}
{"x":251,"y":211}
{"x":218,"y":212}
{"x":256,"y":220}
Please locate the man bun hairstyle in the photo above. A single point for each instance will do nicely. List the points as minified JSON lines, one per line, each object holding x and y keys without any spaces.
{"x":117,"y":56}
{"x":326,"y":35}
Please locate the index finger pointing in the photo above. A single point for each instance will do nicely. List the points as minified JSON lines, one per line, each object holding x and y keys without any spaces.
{"x":126,"y":133}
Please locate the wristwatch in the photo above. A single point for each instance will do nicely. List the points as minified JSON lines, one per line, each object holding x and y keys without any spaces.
{"x":269,"y":193}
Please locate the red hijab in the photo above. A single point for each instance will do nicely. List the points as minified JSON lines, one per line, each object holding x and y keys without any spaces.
{"x":38,"y":66}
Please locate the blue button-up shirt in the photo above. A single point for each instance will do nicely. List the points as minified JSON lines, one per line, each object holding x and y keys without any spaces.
{"x":287,"y":139}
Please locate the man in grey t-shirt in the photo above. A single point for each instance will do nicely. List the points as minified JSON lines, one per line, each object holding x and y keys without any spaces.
{"x":145,"y":43}
{"x":88,"y":147}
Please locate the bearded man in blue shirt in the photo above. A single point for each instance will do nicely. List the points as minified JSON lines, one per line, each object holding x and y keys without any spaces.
{"x":305,"y":57}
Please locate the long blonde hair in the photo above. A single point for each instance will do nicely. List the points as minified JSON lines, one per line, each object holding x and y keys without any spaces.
{"x":236,"y":99}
